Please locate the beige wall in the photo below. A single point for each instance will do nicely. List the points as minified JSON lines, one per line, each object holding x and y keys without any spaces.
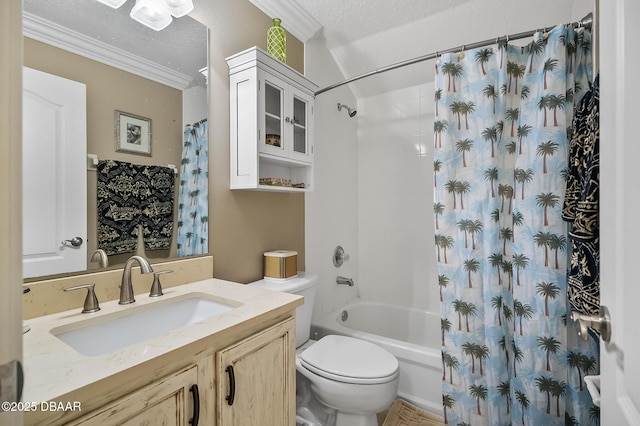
{"x":10,"y":177}
{"x":244,"y":224}
{"x":110,"y":89}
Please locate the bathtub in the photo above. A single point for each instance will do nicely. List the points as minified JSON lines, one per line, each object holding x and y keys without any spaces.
{"x":412,"y":335}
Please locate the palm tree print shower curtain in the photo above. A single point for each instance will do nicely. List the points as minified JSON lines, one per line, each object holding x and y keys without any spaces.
{"x":502,"y":127}
{"x":193,"y":198}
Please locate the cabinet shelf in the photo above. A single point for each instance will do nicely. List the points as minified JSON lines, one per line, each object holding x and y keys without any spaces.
{"x":269,"y":98}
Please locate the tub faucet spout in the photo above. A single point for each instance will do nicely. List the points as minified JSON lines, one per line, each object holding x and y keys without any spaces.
{"x":126,"y":288}
{"x":344,"y":281}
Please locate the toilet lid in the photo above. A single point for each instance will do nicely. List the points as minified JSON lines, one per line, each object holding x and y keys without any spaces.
{"x":350,"y":360}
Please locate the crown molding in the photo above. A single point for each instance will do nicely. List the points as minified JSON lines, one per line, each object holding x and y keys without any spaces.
{"x":295,"y":19}
{"x":56,"y":35}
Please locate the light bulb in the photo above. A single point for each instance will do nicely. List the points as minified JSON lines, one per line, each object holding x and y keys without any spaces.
{"x":155,"y":14}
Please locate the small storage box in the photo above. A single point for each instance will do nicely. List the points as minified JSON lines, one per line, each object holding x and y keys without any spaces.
{"x":281,"y":264}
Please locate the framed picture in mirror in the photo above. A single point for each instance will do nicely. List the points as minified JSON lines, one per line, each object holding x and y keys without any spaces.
{"x":133,"y":133}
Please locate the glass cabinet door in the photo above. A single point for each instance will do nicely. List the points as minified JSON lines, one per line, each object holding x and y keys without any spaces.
{"x":299,"y":126}
{"x":301,"y":113}
{"x":272,"y":139}
{"x":287,"y":118}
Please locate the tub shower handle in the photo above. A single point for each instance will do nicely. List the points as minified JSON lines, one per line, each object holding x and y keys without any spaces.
{"x":339,"y":256}
{"x":344,"y":281}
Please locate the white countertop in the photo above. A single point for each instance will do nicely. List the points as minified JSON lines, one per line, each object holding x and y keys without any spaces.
{"x":52,"y":369}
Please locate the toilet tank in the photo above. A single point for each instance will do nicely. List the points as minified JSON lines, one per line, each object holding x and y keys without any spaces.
{"x":303,"y":285}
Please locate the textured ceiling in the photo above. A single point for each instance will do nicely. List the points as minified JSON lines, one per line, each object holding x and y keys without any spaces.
{"x":345,"y":21}
{"x":366,"y":35}
{"x":182,"y":46}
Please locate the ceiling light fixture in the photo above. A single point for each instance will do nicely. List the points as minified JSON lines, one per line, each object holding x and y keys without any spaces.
{"x":113,"y":3}
{"x":155,"y":14}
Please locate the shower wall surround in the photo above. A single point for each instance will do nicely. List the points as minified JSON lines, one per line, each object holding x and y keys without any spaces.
{"x":395,"y":207}
{"x":373,"y":197}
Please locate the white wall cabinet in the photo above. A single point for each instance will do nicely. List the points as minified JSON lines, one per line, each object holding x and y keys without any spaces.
{"x":256,"y":379}
{"x":271,"y":124}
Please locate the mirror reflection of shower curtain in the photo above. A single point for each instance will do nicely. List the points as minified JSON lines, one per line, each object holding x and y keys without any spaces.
{"x":193,"y":196}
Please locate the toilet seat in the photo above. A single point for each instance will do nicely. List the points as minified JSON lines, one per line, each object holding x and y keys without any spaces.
{"x":349,"y":360}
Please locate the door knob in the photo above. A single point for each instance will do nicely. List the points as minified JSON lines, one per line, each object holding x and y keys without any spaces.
{"x":601,"y":323}
{"x":74,"y":242}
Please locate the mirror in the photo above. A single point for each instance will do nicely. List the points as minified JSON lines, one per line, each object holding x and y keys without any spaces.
{"x":171,"y":61}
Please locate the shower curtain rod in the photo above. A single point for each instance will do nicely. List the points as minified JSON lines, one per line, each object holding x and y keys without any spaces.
{"x":586,"y":22}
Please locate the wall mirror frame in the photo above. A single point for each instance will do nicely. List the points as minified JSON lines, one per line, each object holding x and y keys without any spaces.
{"x":175,"y":59}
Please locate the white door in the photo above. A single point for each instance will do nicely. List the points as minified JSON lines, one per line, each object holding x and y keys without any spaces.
{"x":54,"y":183}
{"x":620,"y":209}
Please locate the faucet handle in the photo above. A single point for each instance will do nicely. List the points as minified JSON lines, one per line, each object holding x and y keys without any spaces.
{"x":339,"y":256}
{"x":156,"y":287}
{"x":91,"y":301}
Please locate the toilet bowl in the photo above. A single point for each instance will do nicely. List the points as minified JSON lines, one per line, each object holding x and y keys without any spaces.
{"x":357,"y":379}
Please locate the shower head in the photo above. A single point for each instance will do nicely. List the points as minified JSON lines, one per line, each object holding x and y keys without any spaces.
{"x":352,"y":112}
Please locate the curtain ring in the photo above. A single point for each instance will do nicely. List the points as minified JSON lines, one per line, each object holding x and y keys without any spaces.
{"x":461,"y":54}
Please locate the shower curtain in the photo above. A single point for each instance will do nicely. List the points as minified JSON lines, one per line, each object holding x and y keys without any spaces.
{"x":193,"y":198}
{"x":510,"y":352}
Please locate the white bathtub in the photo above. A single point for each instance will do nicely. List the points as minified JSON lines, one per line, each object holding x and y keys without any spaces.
{"x":412,"y":335}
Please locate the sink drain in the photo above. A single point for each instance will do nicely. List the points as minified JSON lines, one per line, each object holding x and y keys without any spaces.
{"x":345,"y":315}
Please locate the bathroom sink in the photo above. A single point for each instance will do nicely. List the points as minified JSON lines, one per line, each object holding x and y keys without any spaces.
{"x":98,"y":336}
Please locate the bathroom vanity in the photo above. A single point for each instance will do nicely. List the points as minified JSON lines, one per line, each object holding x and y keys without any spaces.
{"x":230,"y":362}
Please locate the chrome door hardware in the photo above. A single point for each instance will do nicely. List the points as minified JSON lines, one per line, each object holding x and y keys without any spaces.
{"x":601,"y":323}
{"x":74,"y":242}
{"x":339,"y":256}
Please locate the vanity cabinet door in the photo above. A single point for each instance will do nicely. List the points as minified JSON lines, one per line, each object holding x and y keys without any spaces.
{"x":169,"y":401}
{"x":256,"y":379}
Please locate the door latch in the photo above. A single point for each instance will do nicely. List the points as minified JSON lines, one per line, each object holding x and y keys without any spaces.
{"x":601,"y":323}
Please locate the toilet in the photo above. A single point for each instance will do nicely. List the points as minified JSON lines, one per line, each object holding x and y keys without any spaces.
{"x":356,"y":378}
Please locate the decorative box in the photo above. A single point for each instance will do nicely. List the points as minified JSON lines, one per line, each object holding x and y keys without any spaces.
{"x":280,"y":264}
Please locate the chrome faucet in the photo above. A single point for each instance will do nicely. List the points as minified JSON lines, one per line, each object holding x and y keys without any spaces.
{"x":344,"y":280}
{"x":101,"y":257}
{"x":126,"y":288}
